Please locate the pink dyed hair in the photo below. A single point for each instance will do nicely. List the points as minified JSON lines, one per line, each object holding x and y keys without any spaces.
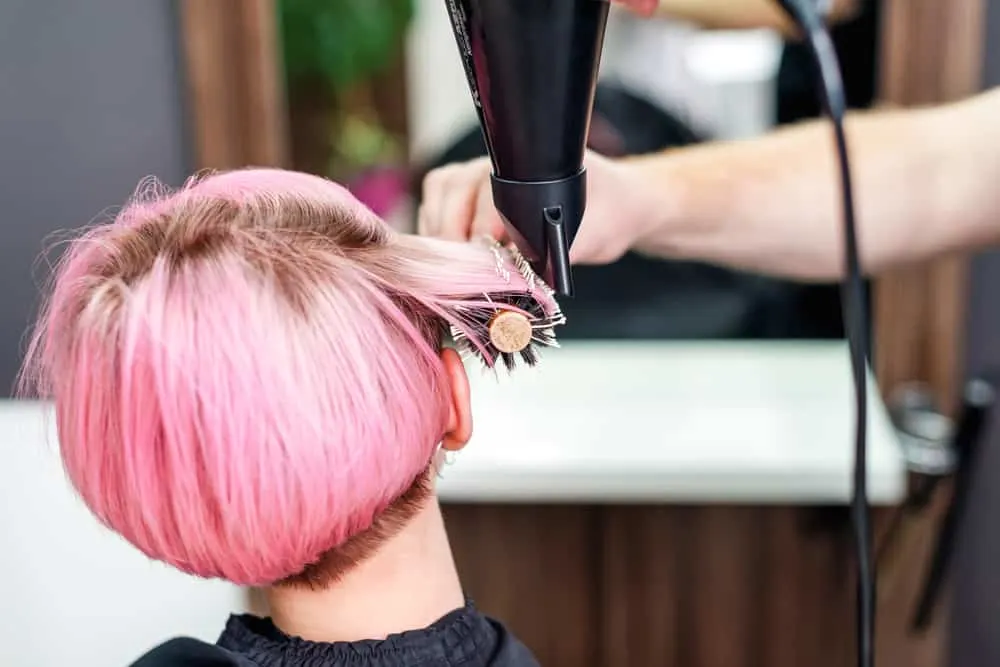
{"x":246,"y":371}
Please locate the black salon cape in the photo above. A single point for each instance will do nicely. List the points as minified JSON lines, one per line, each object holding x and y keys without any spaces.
{"x":463,"y":638}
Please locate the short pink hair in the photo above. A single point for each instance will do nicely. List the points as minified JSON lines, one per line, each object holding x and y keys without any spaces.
{"x":246,"y":372}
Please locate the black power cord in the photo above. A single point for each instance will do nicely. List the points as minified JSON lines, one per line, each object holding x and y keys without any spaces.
{"x":807,"y":17}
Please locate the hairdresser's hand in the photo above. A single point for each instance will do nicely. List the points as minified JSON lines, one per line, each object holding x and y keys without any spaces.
{"x":458,"y":205}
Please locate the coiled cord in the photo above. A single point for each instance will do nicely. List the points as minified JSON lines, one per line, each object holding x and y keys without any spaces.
{"x":807,"y":17}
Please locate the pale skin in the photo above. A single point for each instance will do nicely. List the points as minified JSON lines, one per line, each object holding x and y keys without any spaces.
{"x":382,"y":595}
{"x":925,"y":182}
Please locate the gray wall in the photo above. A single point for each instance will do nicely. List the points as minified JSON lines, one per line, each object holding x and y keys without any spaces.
{"x":89,"y":104}
{"x":975,"y":637}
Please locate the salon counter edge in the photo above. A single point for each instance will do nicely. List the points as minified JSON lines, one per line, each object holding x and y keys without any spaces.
{"x":624,"y":422}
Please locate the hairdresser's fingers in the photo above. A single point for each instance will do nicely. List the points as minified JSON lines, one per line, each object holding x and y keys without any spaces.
{"x":486,"y":220}
{"x":458,"y":206}
{"x":449,"y":199}
{"x":432,"y":193}
{"x":458,"y":201}
{"x":422,"y":221}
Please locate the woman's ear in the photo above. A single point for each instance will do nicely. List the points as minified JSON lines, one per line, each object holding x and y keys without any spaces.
{"x":460,"y":418}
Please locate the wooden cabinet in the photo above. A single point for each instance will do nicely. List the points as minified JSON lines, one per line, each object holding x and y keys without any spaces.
{"x":537,"y":568}
{"x":692,"y":586}
{"x":679,"y":586}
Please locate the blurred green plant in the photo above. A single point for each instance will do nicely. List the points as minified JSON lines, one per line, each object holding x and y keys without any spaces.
{"x":341,"y":42}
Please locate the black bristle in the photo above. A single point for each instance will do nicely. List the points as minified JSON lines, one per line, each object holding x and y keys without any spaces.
{"x":478,"y":318}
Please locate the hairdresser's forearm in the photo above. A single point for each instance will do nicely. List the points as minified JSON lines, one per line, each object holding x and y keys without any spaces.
{"x":925,"y":183}
{"x":740,"y":14}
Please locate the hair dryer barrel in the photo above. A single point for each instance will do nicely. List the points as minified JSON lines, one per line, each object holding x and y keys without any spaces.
{"x":532,"y":68}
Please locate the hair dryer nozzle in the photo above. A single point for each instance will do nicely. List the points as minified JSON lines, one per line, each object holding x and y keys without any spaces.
{"x":542,"y":219}
{"x":532,"y":69}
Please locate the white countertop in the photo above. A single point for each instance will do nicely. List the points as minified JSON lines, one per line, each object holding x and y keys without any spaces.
{"x":642,"y":422}
{"x":673,"y":422}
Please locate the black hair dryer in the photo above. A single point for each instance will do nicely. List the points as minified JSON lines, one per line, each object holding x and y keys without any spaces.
{"x":532,"y":68}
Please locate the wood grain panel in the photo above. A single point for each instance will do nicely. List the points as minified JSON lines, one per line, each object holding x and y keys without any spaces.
{"x":901,"y":576}
{"x":664,"y":586}
{"x":537,"y":569}
{"x":236,"y":98}
{"x":932,"y":51}
{"x":725,"y":586}
{"x":806,"y":615}
{"x":642,"y":587}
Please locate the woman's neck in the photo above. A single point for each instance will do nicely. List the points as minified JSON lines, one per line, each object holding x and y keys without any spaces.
{"x":408,"y":584}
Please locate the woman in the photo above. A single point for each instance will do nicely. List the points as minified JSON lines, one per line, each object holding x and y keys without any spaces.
{"x":250,"y":384}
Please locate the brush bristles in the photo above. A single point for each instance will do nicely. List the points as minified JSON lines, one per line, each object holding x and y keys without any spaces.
{"x":542,"y":311}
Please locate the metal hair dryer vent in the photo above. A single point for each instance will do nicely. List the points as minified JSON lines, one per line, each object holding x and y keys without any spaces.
{"x":532,"y":69}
